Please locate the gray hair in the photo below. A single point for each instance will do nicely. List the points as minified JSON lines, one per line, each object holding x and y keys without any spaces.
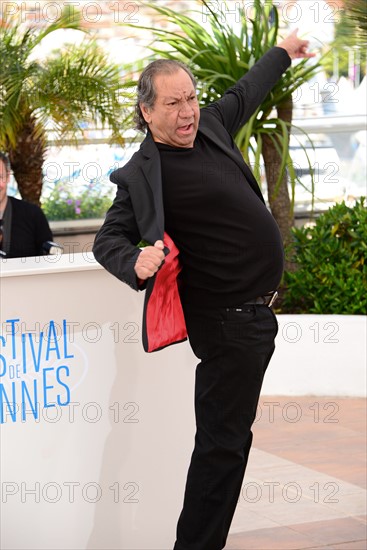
{"x":5,"y":159}
{"x":146,"y":89}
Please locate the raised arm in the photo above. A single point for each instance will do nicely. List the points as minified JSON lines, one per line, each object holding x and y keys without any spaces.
{"x":241,"y":100}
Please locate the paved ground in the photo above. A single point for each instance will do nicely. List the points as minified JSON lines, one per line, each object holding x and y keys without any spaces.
{"x":305,"y":486}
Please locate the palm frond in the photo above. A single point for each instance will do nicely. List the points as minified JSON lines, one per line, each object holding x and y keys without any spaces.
{"x":354,"y":21}
{"x":73,"y":85}
{"x":72,"y":88}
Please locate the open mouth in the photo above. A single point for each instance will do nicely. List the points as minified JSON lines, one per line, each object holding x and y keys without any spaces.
{"x":185,"y":129}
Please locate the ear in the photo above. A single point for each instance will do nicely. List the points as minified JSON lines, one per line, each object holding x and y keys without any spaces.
{"x":146,"y":113}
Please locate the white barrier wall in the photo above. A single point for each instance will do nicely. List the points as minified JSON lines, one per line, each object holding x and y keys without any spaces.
{"x":101,"y":461}
{"x":96,"y":435}
{"x":319,"y":355}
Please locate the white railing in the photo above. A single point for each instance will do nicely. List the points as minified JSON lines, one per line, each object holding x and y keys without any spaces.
{"x":336,"y":150}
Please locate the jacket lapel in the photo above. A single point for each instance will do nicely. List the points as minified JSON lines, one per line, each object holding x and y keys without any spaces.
{"x":153,"y":174}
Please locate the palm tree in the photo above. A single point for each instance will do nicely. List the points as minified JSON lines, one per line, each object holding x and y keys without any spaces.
{"x":218,"y":57}
{"x":71,"y":86}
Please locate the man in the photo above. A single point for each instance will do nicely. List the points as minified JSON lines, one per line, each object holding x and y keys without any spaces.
{"x":188,"y":190}
{"x":24,"y":229}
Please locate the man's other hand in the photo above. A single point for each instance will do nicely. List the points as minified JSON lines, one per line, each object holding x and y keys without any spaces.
{"x":295,"y":47}
{"x":149,"y":260}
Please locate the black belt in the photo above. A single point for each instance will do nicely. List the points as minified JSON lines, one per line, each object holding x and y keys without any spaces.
{"x":266,"y":300}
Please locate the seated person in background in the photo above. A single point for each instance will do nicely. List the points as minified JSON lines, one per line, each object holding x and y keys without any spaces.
{"x":24,"y":229}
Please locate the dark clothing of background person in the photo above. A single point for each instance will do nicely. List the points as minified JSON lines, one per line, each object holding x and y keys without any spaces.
{"x":25,"y":229}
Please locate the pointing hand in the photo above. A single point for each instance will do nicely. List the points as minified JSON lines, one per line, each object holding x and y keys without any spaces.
{"x":295,"y":47}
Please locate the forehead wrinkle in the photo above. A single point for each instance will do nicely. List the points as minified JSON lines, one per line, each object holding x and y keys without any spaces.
{"x":178,"y":96}
{"x":167,"y":86}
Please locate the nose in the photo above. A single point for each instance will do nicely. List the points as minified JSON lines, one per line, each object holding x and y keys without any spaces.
{"x":186,"y":109}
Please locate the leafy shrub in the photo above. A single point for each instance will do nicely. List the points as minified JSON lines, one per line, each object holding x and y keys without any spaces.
{"x":65,"y":203}
{"x":331,"y":261}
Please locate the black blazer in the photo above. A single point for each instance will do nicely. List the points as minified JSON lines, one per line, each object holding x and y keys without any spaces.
{"x":137,"y":211}
{"x":29,"y":230}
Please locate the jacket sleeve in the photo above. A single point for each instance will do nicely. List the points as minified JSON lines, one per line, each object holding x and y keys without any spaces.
{"x":43,"y":232}
{"x":240,"y":101}
{"x":115,"y":245}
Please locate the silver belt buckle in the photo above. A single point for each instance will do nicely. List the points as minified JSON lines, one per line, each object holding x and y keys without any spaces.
{"x":273,"y":298}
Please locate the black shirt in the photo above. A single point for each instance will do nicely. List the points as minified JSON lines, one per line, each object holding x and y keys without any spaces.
{"x":230,"y":246}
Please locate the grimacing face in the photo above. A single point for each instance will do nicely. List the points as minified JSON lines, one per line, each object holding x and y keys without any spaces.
{"x":174,"y":118}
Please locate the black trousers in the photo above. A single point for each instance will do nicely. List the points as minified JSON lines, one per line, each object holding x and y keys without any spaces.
{"x":235,"y":346}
